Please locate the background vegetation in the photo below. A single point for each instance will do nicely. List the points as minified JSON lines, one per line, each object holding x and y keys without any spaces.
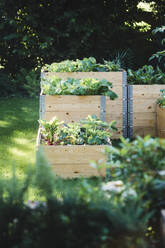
{"x":37,"y":32}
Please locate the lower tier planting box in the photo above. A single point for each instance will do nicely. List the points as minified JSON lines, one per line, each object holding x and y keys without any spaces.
{"x":72,"y":161}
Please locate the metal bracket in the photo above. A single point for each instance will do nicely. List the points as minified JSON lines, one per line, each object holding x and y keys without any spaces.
{"x":42,"y":106}
{"x":125,"y":107}
{"x":130,"y":111}
{"x":103,"y":108}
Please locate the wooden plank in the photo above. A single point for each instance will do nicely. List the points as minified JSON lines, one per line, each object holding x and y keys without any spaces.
{"x":111,"y":107}
{"x":144,"y":119}
{"x":147,"y":91}
{"x":113,"y":77}
{"x":72,"y":161}
{"x":73,"y":117}
{"x":73,"y":154}
{"x":143,"y":131}
{"x":160,"y":122}
{"x":144,"y":105}
{"x":75,"y":170}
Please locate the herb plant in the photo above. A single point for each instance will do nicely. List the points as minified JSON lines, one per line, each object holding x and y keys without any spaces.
{"x":90,"y":131}
{"x":161,"y":100}
{"x":146,"y":75}
{"x":71,"y":86}
{"x":84,"y":65}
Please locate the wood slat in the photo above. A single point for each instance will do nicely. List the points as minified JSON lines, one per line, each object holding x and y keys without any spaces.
{"x":160,"y":122}
{"x":114,"y":77}
{"x":145,"y":105}
{"x":80,"y":170}
{"x":74,"y":160}
{"x":143,"y":131}
{"x":144,"y":119}
{"x":147,"y":91}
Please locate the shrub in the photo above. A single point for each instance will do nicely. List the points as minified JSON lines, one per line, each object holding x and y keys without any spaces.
{"x":84,"y":217}
{"x":146,"y":75}
{"x":27,"y":82}
{"x":141,"y":165}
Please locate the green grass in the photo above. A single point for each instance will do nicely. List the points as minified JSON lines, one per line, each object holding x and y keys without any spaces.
{"x":18,"y":131}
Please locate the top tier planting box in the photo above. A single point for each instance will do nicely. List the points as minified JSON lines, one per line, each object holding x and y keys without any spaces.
{"x":71,"y":108}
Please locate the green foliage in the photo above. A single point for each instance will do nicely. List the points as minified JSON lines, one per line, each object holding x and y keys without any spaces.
{"x":146,"y":75}
{"x":84,"y":217}
{"x":27,"y":82}
{"x":71,"y":86}
{"x":84,"y":65}
{"x":159,"y":57}
{"x":7,"y":87}
{"x":161,"y":100}
{"x":140,"y":164}
{"x":89,"y":131}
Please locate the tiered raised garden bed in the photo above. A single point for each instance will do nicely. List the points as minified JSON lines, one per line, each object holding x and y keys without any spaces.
{"x":74,"y":108}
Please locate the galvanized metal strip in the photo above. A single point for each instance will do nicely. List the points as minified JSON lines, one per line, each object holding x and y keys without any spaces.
{"x":125,"y":107}
{"x":42,"y":106}
{"x":130,"y":111}
{"x":163,"y":226}
{"x":103,"y":108}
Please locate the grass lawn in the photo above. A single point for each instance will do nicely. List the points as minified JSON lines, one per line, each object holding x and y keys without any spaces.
{"x":18,"y":131}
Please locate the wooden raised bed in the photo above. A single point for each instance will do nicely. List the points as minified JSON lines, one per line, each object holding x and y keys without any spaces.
{"x":72,"y":161}
{"x":160,"y":121}
{"x":142,"y":109}
{"x":75,"y":108}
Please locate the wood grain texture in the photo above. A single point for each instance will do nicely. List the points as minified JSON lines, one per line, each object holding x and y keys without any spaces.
{"x":144,"y":109}
{"x":160,"y":122}
{"x":113,"y":77}
{"x":75,"y":108}
{"x":74,"y":160}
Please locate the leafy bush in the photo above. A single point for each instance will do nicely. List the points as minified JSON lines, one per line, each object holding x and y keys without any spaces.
{"x":159,"y":57}
{"x":161,"y":100}
{"x":141,"y":165}
{"x":89,"y":131}
{"x":71,"y":86}
{"x":146,"y":75}
{"x":84,"y":217}
{"x":7,"y":88}
{"x":85,"y":65}
{"x":27,"y":82}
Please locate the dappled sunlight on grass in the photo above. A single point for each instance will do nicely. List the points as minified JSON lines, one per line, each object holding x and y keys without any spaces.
{"x":18,"y":132}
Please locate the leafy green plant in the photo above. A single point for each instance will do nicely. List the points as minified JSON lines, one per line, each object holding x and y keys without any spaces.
{"x":82,"y":217}
{"x":140,"y":164}
{"x":161,"y":100}
{"x":28,"y":82}
{"x":84,"y":65}
{"x":146,"y":75}
{"x":71,"y":86}
{"x":159,"y":57}
{"x":88,"y":131}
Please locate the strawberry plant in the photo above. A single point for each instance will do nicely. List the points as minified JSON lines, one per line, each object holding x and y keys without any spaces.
{"x":90,"y":131}
{"x":84,"y":65}
{"x":71,"y":86}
